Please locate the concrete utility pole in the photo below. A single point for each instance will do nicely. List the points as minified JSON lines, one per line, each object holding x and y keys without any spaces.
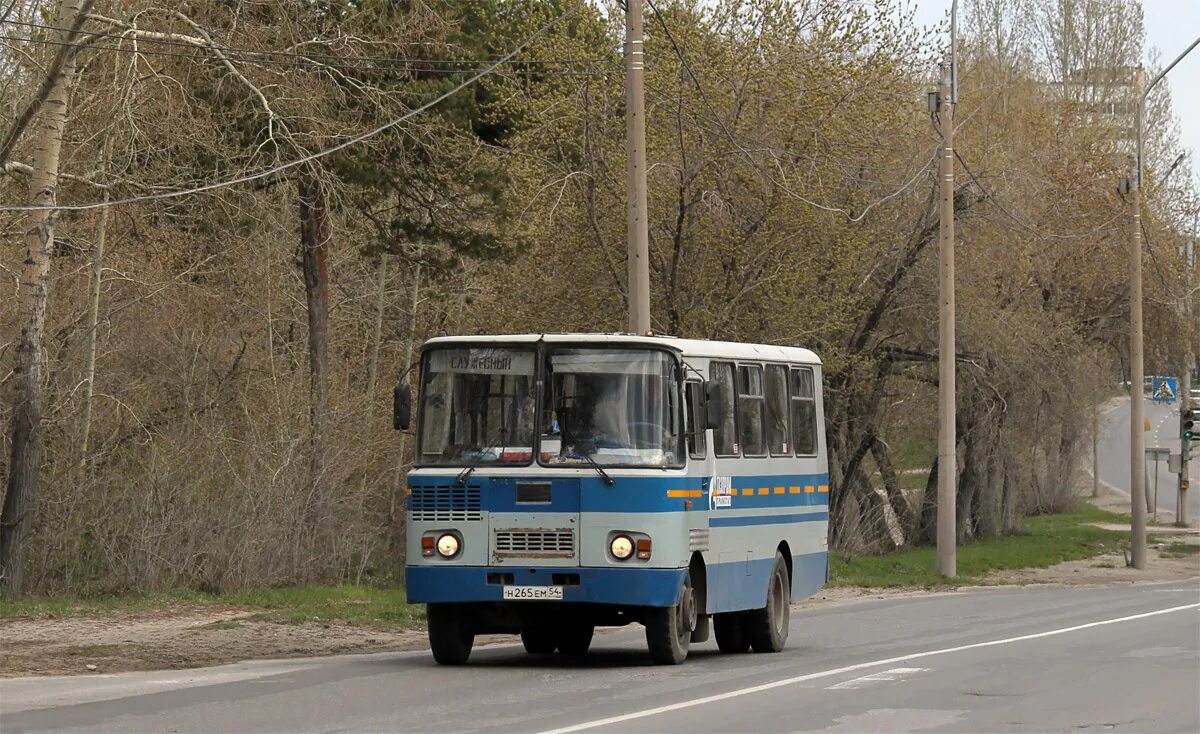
{"x":1137,"y":440}
{"x":947,"y":432}
{"x":638,"y":283}
{"x":1185,"y":402}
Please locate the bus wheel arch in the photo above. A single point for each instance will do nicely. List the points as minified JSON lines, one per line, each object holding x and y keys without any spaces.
{"x":786,"y":551}
{"x":699,"y":575}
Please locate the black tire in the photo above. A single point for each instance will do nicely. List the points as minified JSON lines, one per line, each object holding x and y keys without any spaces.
{"x":730,"y":630}
{"x":538,"y":640}
{"x":767,"y":628}
{"x":450,"y":634}
{"x":575,"y":639}
{"x":669,"y":629}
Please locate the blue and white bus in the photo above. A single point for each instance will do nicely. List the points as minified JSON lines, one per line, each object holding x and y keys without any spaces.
{"x":565,"y":482}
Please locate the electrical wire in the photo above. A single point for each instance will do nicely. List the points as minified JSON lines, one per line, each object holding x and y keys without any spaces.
{"x":319,"y":154}
{"x":750,"y":156}
{"x":1036,"y":233}
{"x":297,"y":54}
{"x":299,"y":63}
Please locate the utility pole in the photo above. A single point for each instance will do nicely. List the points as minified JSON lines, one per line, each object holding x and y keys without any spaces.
{"x":1096,"y":449}
{"x":637,"y":227}
{"x":947,"y":432}
{"x":1137,"y":442}
{"x":1185,"y":404}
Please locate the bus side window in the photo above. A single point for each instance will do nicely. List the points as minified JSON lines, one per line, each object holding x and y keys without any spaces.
{"x":777,"y":411}
{"x":804,"y":412}
{"x":750,"y":410}
{"x":725,"y":435}
{"x":696,"y":437}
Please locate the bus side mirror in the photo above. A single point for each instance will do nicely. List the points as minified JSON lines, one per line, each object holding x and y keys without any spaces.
{"x":401,"y":406}
{"x":712,"y":405}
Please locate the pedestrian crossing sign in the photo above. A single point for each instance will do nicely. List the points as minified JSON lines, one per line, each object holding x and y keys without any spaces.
{"x":1165,"y":389}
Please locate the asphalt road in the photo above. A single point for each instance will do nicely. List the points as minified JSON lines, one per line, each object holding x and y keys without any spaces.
{"x":1164,"y":433}
{"x":1044,"y":659}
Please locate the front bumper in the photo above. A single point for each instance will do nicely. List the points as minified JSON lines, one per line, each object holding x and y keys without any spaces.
{"x":647,"y":587}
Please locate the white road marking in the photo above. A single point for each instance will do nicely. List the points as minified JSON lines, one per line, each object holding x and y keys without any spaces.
{"x":885,"y":676}
{"x":849,"y":669}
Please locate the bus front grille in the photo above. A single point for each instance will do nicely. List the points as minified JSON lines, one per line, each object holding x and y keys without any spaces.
{"x":534,"y":543}
{"x":445,"y":503}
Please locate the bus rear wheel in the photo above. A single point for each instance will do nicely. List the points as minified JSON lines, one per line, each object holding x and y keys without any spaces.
{"x":767,"y":628}
{"x":450,"y":634}
{"x":669,"y":629}
{"x":730,"y":630}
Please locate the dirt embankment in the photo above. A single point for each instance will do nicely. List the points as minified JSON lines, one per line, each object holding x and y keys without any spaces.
{"x":193,"y":636}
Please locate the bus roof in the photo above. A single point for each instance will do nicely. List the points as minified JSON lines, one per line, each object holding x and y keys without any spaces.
{"x":687,"y":347}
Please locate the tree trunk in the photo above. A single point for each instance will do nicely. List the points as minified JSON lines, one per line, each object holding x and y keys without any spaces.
{"x":891,"y":484}
{"x":926,"y":532}
{"x":26,"y":459}
{"x":314,"y":245}
{"x":93,"y":326}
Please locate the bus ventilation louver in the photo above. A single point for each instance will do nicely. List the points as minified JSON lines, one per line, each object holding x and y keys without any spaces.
{"x":445,"y":504}
{"x":558,"y":543}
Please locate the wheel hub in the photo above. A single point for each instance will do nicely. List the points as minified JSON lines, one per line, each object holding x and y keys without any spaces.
{"x":687,"y":610}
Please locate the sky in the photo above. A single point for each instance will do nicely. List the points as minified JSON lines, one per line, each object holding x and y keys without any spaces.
{"x":1171,"y":25}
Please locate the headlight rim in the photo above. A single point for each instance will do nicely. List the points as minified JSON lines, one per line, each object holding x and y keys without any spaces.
{"x":612,"y":549}
{"x":457,"y":545}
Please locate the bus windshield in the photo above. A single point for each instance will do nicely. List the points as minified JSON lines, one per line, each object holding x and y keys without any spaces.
{"x":616,"y":407}
{"x":477,"y":406}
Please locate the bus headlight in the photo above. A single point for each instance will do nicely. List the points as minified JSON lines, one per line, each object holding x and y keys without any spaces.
{"x":447,"y":546}
{"x":621,"y":547}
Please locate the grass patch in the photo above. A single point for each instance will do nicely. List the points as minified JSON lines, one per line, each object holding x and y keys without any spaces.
{"x":1180,"y":550}
{"x":367,"y":606}
{"x":1046,"y":541}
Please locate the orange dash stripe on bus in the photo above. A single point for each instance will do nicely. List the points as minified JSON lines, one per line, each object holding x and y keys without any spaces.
{"x":781,"y":490}
{"x":746,"y":492}
{"x":824,"y":488}
{"x":764,"y":490}
{"x":794,"y":490}
{"x":683,"y":493}
{"x":809,"y":488}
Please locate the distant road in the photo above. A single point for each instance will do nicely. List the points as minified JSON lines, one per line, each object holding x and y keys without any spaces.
{"x":1163,"y":433}
{"x":1041,"y":659}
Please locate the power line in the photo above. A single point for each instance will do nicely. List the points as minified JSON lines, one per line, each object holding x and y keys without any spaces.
{"x":1036,"y":233}
{"x":299,"y":63}
{"x":750,"y":157}
{"x":320,"y":154}
{"x":297,"y":54}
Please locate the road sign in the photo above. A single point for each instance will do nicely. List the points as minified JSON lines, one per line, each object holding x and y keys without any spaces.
{"x":1165,"y":389}
{"x":1174,"y":465}
{"x":1158,"y":454}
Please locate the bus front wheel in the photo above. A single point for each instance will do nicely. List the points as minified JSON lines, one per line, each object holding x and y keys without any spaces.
{"x":669,"y":629}
{"x":538,"y":640}
{"x":450,"y":633}
{"x":574,"y":639}
{"x":767,"y":628}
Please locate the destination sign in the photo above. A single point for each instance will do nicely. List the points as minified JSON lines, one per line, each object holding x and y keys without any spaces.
{"x":482,"y":361}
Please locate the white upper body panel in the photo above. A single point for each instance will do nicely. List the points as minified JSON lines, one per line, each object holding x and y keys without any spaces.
{"x":686,"y":347}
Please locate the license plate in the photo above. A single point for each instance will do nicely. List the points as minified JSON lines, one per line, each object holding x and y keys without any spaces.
{"x":533,"y":593}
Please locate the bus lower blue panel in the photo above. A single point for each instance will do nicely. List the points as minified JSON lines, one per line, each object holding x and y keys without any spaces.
{"x":743,"y":584}
{"x":652,"y":587}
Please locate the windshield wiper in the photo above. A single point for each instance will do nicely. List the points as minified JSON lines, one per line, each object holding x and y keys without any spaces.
{"x":461,"y":480}
{"x":596,"y":465}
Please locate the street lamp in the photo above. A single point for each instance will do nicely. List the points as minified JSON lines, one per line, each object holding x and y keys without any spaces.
{"x":1137,"y":441}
